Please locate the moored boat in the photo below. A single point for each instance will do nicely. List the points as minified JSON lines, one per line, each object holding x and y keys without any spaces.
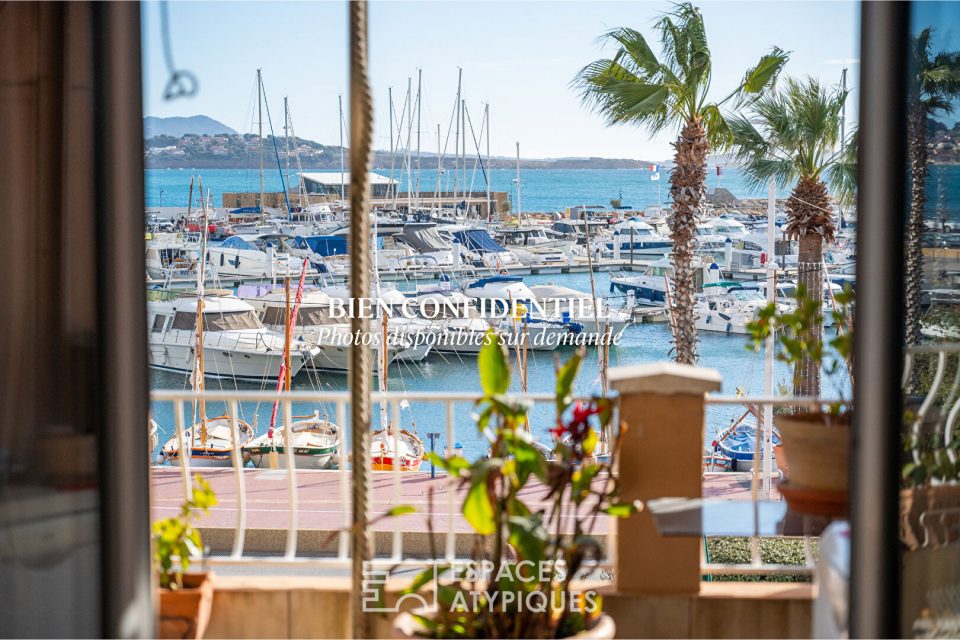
{"x":391,"y":449}
{"x":315,"y":443}
{"x":210,"y":441}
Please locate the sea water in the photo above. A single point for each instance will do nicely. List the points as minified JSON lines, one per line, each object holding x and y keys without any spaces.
{"x":545,"y":190}
{"x":741,"y":367}
{"x":541,"y":190}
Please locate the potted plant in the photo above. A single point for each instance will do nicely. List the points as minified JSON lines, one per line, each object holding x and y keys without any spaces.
{"x":523,"y":583}
{"x":185,"y":598}
{"x":816,"y":440}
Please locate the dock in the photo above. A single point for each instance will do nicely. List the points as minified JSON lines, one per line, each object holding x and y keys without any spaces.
{"x":322,"y":512}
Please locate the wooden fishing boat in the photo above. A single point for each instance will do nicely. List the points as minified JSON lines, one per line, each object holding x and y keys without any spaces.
{"x":738,"y":444}
{"x":315,"y":444}
{"x":388,"y":445}
{"x":210,"y":442}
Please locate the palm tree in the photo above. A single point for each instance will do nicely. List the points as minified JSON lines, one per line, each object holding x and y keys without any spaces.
{"x":671,"y":92}
{"x":793,"y":135}
{"x":935,"y":82}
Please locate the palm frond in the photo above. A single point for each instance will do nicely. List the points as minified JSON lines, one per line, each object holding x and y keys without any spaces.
{"x":791,"y":133}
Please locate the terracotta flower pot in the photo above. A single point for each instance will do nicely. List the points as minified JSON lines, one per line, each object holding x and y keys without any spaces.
{"x":817,"y":448}
{"x":184,"y":613}
{"x":407,"y":626}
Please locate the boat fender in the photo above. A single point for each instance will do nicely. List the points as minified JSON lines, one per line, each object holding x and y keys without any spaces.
{"x":729,"y":327}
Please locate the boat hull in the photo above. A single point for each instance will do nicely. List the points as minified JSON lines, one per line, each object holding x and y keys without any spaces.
{"x":224,"y":362}
{"x":303,"y":458}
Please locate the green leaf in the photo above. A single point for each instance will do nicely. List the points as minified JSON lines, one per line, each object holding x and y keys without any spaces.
{"x":528,"y":536}
{"x":565,"y":378}
{"x":622,"y":509}
{"x":423,"y":578}
{"x":527,"y":457}
{"x":581,"y":480}
{"x":492,"y":362}
{"x":477,"y":509}
{"x":400,"y":510}
{"x":452,"y":465}
{"x":770,"y":65}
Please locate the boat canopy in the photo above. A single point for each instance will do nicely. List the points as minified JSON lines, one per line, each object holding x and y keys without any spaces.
{"x":307,"y":316}
{"x":334,"y":245}
{"x":236,"y":242}
{"x":478,"y":240}
{"x":482,"y":282}
{"x":424,"y":238}
{"x":323,"y":245}
{"x":218,"y":321}
{"x":244,"y":210}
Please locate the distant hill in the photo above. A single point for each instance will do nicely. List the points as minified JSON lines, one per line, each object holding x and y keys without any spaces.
{"x":200,"y":142}
{"x":178,"y":126}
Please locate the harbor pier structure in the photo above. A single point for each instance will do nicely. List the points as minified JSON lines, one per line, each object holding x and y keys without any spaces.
{"x":330,"y":187}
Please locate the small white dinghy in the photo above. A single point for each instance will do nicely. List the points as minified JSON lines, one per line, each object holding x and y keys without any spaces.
{"x":210,"y":441}
{"x":315,"y":444}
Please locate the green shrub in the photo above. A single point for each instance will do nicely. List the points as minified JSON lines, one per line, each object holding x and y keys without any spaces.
{"x":728,"y":550}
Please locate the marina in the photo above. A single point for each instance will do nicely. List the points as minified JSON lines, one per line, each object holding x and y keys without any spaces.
{"x":464,"y":261}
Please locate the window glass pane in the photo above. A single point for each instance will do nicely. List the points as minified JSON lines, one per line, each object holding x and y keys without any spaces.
{"x":930,"y":499}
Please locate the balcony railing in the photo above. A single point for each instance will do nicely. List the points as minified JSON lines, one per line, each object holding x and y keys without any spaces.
{"x":762,"y":477}
{"x":339,"y":400}
{"x":448,"y":405}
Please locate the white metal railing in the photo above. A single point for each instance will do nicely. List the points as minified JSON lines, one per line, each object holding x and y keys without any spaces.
{"x":232,"y":399}
{"x":179,"y":399}
{"x":949,"y":405}
{"x":761,"y":478}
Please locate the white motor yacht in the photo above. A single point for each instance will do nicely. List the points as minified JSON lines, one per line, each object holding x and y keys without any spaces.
{"x":235,"y":343}
{"x":636,"y":238}
{"x":240,"y":256}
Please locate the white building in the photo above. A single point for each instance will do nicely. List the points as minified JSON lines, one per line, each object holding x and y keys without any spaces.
{"x":329,"y":183}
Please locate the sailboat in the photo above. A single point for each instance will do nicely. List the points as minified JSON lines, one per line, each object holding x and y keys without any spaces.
{"x":211,"y":441}
{"x":314,"y":440}
{"x":389,"y":445}
{"x":315,"y":444}
{"x":392,"y":448}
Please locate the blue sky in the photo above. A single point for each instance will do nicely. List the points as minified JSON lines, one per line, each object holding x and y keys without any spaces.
{"x":517,"y":55}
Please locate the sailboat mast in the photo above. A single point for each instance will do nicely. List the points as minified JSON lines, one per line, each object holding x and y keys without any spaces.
{"x":198,"y":373}
{"x":340,"y":102}
{"x":286,"y":143}
{"x":463,"y":129}
{"x":407,"y":153}
{"x":260,"y":136}
{"x":456,"y":137}
{"x":391,"y":187}
{"x":419,"y":122}
{"x":486,"y":117}
{"x":520,"y":208}
{"x":286,"y":337}
{"x":439,"y":169}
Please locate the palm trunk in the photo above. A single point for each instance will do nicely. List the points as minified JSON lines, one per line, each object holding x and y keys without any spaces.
{"x":688,"y":187}
{"x":810,"y":220}
{"x":913,"y":251}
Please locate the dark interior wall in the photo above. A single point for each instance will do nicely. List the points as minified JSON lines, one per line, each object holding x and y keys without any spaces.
{"x":73,"y":440}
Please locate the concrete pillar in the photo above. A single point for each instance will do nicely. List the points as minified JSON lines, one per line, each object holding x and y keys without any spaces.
{"x":661,"y":456}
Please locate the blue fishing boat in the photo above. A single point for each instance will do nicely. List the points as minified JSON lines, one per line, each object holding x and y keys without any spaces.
{"x":738,"y":444}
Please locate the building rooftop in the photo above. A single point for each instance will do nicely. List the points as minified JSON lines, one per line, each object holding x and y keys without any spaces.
{"x":332,"y":178}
